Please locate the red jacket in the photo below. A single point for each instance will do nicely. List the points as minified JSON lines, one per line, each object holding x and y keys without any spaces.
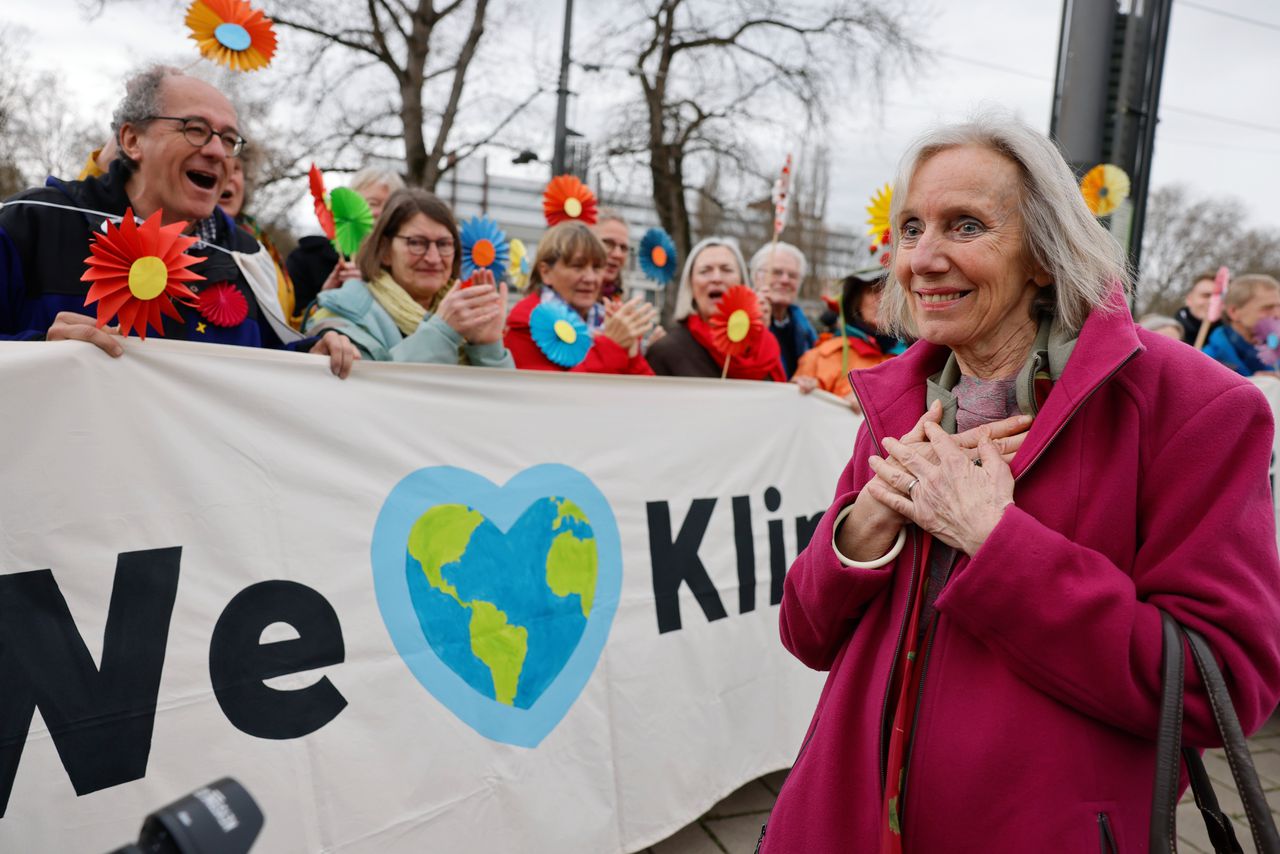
{"x":1142,"y":483}
{"x":604,"y":357}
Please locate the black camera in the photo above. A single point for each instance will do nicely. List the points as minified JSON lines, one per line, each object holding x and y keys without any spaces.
{"x":220,"y":818}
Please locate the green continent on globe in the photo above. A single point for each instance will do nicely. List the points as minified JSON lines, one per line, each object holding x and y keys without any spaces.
{"x":501,"y":646}
{"x":571,"y":568}
{"x":566,"y":509}
{"x":439,"y":538}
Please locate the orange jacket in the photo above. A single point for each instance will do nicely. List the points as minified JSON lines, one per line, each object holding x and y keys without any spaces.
{"x":824,"y":362}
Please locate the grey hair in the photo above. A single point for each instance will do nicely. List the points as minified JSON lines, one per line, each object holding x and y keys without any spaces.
{"x":611,"y":215}
{"x":1156,"y":322}
{"x":1083,"y":260}
{"x":684,"y":296}
{"x":377,"y":176}
{"x":761,"y":257}
{"x":142,"y":100}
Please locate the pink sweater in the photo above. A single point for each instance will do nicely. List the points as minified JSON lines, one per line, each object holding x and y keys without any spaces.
{"x":1142,"y":483}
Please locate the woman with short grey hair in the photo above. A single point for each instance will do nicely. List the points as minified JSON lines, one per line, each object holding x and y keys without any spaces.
{"x":1037,"y":483}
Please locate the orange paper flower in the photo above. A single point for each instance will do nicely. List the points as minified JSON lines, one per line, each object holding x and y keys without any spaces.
{"x":1104,"y":188}
{"x":137,"y":271}
{"x":736,"y":324}
{"x":232,"y":33}
{"x":568,"y":198}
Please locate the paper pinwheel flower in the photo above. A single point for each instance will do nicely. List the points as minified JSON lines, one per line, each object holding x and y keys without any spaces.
{"x":1267,"y":333}
{"x":878,"y":210}
{"x":658,"y":256}
{"x":352,"y":220}
{"x":560,"y":334}
{"x":518,"y":265}
{"x":568,"y":198}
{"x":1220,"y":282}
{"x":484,"y":247}
{"x":222,"y":305}
{"x":1104,"y":188}
{"x":137,"y":271}
{"x":321,"y":201}
{"x":232,"y":33}
{"x":737,"y":323}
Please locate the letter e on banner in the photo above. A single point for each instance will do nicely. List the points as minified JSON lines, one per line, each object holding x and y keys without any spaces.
{"x":239,"y":665}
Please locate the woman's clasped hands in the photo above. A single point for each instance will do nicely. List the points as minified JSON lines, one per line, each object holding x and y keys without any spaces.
{"x":954,"y":487}
{"x":478,"y":312}
{"x":627,"y":323}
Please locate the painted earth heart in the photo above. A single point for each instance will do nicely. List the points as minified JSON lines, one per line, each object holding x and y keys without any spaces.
{"x":499,"y":598}
{"x":504,"y":611}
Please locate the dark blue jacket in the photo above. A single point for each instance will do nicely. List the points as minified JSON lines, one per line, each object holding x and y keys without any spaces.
{"x":43,"y":252}
{"x":795,"y":337}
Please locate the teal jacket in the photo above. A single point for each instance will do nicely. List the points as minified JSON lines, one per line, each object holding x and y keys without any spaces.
{"x":352,"y":310}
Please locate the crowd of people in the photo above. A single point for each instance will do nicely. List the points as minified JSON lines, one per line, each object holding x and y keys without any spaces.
{"x":176,"y":150}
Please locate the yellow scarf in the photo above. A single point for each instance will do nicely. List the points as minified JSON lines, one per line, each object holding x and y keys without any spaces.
{"x":404,"y":309}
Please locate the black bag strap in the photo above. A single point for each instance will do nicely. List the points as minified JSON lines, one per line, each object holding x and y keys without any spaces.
{"x":1168,"y":747}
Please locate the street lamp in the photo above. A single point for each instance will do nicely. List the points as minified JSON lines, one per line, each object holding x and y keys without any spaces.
{"x":562,"y":93}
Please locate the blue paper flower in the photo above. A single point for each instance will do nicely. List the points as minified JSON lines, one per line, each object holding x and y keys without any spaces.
{"x":658,"y":256}
{"x":560,"y":334}
{"x":484,"y":247}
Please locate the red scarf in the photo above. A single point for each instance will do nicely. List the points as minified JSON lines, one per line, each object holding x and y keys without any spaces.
{"x":761,"y":361}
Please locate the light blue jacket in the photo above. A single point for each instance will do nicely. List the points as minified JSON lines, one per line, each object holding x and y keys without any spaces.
{"x":352,"y":311}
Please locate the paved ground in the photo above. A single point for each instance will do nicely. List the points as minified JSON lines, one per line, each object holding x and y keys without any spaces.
{"x":733,"y":825}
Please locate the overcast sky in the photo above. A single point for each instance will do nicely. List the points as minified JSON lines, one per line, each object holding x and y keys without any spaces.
{"x":1220,"y":114}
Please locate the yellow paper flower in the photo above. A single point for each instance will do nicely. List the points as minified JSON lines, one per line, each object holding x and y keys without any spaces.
{"x":232,"y":33}
{"x":878,"y":210}
{"x":1104,"y":187}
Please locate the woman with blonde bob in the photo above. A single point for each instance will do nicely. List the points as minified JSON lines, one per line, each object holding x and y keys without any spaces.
{"x":714,"y":265}
{"x":406,"y":305}
{"x":562,"y":325}
{"x":986,"y":589}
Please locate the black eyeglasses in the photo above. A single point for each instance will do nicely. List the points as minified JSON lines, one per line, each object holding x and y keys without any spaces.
{"x":198,"y":132}
{"x":419,"y":246}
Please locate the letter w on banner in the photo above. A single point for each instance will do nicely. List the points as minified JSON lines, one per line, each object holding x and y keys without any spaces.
{"x":399,"y":608}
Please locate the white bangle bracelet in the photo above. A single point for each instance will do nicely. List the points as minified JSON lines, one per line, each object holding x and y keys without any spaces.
{"x":867,"y":564}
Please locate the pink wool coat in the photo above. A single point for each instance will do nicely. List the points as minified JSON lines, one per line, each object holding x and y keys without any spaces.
{"x":1142,"y":483}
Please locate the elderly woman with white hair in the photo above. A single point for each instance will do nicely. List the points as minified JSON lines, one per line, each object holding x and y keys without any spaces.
{"x":714,"y":265}
{"x":1037,"y":479}
{"x":777,"y":269}
{"x":314,"y":265}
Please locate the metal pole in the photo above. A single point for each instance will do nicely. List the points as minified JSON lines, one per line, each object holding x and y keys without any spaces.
{"x":562,"y":102}
{"x":1163,"y":10}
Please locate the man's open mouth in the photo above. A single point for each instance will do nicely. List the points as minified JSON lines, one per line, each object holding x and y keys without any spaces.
{"x":203,"y":180}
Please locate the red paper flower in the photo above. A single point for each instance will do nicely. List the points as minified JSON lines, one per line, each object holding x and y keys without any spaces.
{"x":137,"y":271}
{"x":736,"y":324}
{"x":223,"y":305}
{"x":568,"y":198}
{"x":322,"y":205}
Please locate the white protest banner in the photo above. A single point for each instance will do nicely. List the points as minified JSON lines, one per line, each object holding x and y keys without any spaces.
{"x":422,"y":609}
{"x":1269,"y":385}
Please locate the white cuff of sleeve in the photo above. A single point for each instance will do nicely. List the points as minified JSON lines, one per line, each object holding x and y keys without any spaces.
{"x":867,"y":564}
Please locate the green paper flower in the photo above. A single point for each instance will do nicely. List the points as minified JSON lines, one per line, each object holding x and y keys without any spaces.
{"x":352,"y":220}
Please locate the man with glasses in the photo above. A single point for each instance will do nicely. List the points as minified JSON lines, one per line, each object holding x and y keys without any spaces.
{"x":176,"y":138}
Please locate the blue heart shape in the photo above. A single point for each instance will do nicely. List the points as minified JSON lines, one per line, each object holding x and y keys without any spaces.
{"x":499,"y":598}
